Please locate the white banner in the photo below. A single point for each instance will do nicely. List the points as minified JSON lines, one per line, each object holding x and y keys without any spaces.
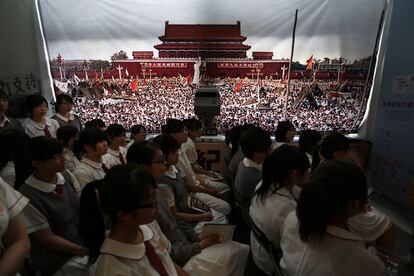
{"x":62,"y":86}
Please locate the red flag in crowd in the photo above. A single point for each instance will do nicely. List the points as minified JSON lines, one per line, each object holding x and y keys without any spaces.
{"x":310,"y":63}
{"x":134,"y":85}
{"x":238,"y":87}
{"x":189,"y":79}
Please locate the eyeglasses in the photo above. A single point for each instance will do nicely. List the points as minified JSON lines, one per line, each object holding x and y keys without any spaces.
{"x":161,"y":161}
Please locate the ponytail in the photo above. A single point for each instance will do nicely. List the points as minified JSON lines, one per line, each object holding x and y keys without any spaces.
{"x":333,"y":184}
{"x":91,"y":222}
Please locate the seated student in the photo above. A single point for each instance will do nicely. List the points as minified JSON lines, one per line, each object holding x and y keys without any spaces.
{"x":10,"y":140}
{"x":96,"y":123}
{"x":6,"y":122}
{"x":316,"y":239}
{"x":135,"y":244}
{"x":176,"y":191}
{"x":68,"y":135}
{"x":207,"y":194}
{"x":50,"y":188}
{"x":138,"y":134}
{"x":372,"y":224}
{"x":116,"y":154}
{"x":255,"y":144}
{"x":273,"y":199}
{"x":198,"y":256}
{"x":309,"y":140}
{"x":64,"y":115}
{"x":194,"y":131}
{"x":14,"y":242}
{"x":38,"y":124}
{"x":284,"y":133}
{"x":94,"y":144}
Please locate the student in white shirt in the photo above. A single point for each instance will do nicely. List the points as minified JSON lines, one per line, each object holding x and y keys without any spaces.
{"x":317,"y":239}
{"x":116,"y":154}
{"x":273,"y":198}
{"x":309,"y":140}
{"x":372,"y":225}
{"x":284,"y":133}
{"x":5,"y":122}
{"x":94,"y":144}
{"x":68,"y":135}
{"x":135,"y":244}
{"x":138,"y":134}
{"x":64,"y":114}
{"x":14,"y":242}
{"x":197,"y":256}
{"x":38,"y":124}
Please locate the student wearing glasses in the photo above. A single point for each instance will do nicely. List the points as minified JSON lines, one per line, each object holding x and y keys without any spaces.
{"x":135,"y":244}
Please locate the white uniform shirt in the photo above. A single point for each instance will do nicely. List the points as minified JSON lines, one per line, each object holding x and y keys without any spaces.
{"x":118,"y":258}
{"x":269,"y":215}
{"x":112,"y":157}
{"x":190,"y":150}
{"x":4,"y":121}
{"x":8,"y":173}
{"x":71,"y":161}
{"x":11,"y":204}
{"x":88,"y":171}
{"x":34,"y":129}
{"x":340,"y":252}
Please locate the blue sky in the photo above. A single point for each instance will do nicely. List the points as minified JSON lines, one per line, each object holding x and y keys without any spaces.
{"x":93,"y":29}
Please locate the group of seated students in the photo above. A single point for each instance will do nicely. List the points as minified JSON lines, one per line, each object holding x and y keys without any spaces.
{"x":74,"y":200}
{"x":309,"y":201}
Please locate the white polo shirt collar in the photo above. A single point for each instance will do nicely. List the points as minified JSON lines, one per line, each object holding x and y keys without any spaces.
{"x":4,"y":121}
{"x":91,"y":163}
{"x":343,"y":233}
{"x":171,"y":172}
{"x":126,"y":250}
{"x":44,"y":186}
{"x":71,"y":117}
{"x":41,"y":126}
{"x":113,"y":152}
{"x":251,"y":164}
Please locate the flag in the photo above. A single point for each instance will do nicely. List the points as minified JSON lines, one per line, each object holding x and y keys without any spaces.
{"x":96,"y":76}
{"x":102,"y":75}
{"x":238,"y":87}
{"x":310,"y":63}
{"x":126,"y":72}
{"x":62,"y":85}
{"x":86,"y":75}
{"x":134,"y":85}
{"x":189,"y":79}
{"x":113,"y":79}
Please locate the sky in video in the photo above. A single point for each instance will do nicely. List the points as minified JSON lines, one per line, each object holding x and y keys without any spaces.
{"x":93,"y":29}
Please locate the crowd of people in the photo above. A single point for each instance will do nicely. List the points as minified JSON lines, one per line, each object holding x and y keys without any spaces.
{"x":78,"y":200}
{"x":242,"y":101}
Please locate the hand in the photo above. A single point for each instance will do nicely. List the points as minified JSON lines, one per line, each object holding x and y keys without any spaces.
{"x":212,"y":174}
{"x":211,"y":191}
{"x":82,"y":251}
{"x":209,"y":241}
{"x":208,"y":216}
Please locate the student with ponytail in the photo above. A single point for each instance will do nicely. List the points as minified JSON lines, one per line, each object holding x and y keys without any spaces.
{"x":135,"y":244}
{"x":273,"y":199}
{"x":196,"y":255}
{"x":372,"y":225}
{"x":316,"y":239}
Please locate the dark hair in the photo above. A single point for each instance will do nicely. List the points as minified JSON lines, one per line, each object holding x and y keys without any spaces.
{"x":10,"y":140}
{"x":173,"y":126}
{"x":167,"y":143}
{"x":135,"y":129}
{"x":255,"y":139}
{"x":96,"y":123}
{"x":34,"y":100}
{"x":192,"y":124}
{"x":281,"y":130}
{"x":141,"y":153}
{"x":123,"y":189}
{"x":65,"y":133}
{"x":277,"y":167}
{"x":234,"y":137}
{"x":4,"y":96}
{"x":60,"y":98}
{"x":331,"y":143}
{"x":40,"y":148}
{"x":91,"y":136}
{"x":332,"y":185}
{"x":309,"y":139}
{"x":115,"y":130}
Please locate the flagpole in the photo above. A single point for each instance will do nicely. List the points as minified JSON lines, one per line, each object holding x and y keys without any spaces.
{"x":371,"y":66}
{"x":290,"y":65}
